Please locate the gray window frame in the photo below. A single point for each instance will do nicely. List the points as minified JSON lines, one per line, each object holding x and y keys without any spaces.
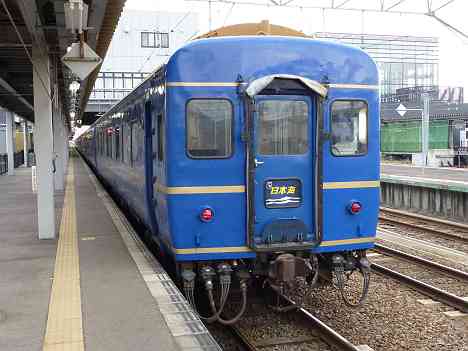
{"x":331,"y":127}
{"x":231,"y":139}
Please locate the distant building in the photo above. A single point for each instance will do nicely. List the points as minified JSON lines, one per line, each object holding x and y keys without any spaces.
{"x":142,"y":41}
{"x":403,"y":61}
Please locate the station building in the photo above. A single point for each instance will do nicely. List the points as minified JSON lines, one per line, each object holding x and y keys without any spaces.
{"x":403,"y":61}
{"x":143,"y":40}
{"x":409,"y":73}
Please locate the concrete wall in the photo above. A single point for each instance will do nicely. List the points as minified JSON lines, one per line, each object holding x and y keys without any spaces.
{"x":444,"y":201}
{"x":435,"y":158}
{"x":125,"y":52}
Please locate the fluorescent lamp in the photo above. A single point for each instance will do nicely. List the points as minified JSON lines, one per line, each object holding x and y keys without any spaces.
{"x":74,"y":86}
{"x":76,"y":15}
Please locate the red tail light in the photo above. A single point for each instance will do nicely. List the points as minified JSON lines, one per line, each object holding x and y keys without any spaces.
{"x":206,"y":214}
{"x":355,"y":207}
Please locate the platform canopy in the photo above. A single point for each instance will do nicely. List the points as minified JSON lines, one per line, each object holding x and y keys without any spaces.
{"x":41,"y":23}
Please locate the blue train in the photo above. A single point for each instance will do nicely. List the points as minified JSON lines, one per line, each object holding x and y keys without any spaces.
{"x":250,"y":157}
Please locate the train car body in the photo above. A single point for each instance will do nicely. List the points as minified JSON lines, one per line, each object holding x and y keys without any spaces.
{"x":254,"y":152}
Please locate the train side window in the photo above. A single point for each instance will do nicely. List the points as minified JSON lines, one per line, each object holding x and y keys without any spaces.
{"x":117,"y":142}
{"x":101,"y":142}
{"x":349,"y":128}
{"x":209,"y":128}
{"x":98,"y":141}
{"x":161,"y":126}
{"x":127,"y":138}
{"x":135,"y":142}
{"x":109,"y":133}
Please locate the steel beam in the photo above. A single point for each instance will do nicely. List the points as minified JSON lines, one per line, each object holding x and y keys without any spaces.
{"x":29,"y":11}
{"x":448,"y":25}
{"x":381,"y":6}
{"x":12,"y":90}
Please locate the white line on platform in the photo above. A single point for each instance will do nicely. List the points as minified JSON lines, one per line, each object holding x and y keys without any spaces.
{"x":421,"y":179}
{"x":429,"y":167}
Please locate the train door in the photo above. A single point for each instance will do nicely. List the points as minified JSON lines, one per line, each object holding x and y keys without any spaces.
{"x":150,"y":165}
{"x":283,"y":154}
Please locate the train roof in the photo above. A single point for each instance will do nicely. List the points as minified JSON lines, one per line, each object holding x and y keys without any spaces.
{"x":226,"y":59}
{"x":223,"y":59}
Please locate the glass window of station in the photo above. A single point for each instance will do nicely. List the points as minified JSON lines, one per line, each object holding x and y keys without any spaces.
{"x":154,"y":40}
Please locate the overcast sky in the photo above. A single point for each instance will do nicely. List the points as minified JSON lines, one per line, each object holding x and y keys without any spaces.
{"x":453,"y":47}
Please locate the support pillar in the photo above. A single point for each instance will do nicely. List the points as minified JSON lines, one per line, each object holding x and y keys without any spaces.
{"x":425,"y":128}
{"x":25,"y":142}
{"x":59,"y":178}
{"x":10,"y":147}
{"x":43,"y":144}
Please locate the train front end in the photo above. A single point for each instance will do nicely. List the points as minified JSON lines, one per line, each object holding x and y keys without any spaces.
{"x":278,"y":177}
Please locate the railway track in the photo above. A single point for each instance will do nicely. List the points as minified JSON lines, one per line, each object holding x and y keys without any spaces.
{"x":430,"y":290}
{"x":456,"y":273}
{"x":319,"y":333}
{"x":440,"y":227}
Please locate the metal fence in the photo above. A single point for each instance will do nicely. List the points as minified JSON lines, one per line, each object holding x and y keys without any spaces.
{"x":3,"y":163}
{"x":18,"y":161}
{"x":461,"y":150}
{"x":19,"y":158}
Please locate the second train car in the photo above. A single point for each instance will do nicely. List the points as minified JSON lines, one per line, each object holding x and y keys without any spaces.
{"x":250,"y":157}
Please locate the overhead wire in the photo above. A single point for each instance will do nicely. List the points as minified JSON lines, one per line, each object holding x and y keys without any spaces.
{"x":228,"y":14}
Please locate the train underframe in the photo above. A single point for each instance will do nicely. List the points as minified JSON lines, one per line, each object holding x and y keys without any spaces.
{"x":290,"y":274}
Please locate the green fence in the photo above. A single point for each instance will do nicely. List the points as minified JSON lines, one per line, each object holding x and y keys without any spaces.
{"x":405,"y":137}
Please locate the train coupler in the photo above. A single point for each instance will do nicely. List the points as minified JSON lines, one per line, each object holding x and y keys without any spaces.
{"x":291,"y":276}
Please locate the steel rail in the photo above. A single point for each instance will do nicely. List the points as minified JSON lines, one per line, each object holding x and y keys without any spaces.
{"x":324,"y":332}
{"x":427,"y":229}
{"x":424,"y":288}
{"x":420,"y":216}
{"x":242,"y":338}
{"x":327,"y":334}
{"x":459,"y":274}
{"x":452,"y":224}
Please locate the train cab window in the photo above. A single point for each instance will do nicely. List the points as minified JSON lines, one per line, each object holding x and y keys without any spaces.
{"x":283,"y":127}
{"x":349,"y":128}
{"x":209,"y":128}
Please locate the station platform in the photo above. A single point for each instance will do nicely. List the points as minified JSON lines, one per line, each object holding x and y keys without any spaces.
{"x":96,"y":287}
{"x":453,"y":179}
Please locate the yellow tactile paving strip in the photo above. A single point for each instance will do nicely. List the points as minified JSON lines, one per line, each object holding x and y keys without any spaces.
{"x":64,"y":322}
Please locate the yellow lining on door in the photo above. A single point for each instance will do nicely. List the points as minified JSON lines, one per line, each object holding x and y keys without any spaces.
{"x":64,"y":329}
